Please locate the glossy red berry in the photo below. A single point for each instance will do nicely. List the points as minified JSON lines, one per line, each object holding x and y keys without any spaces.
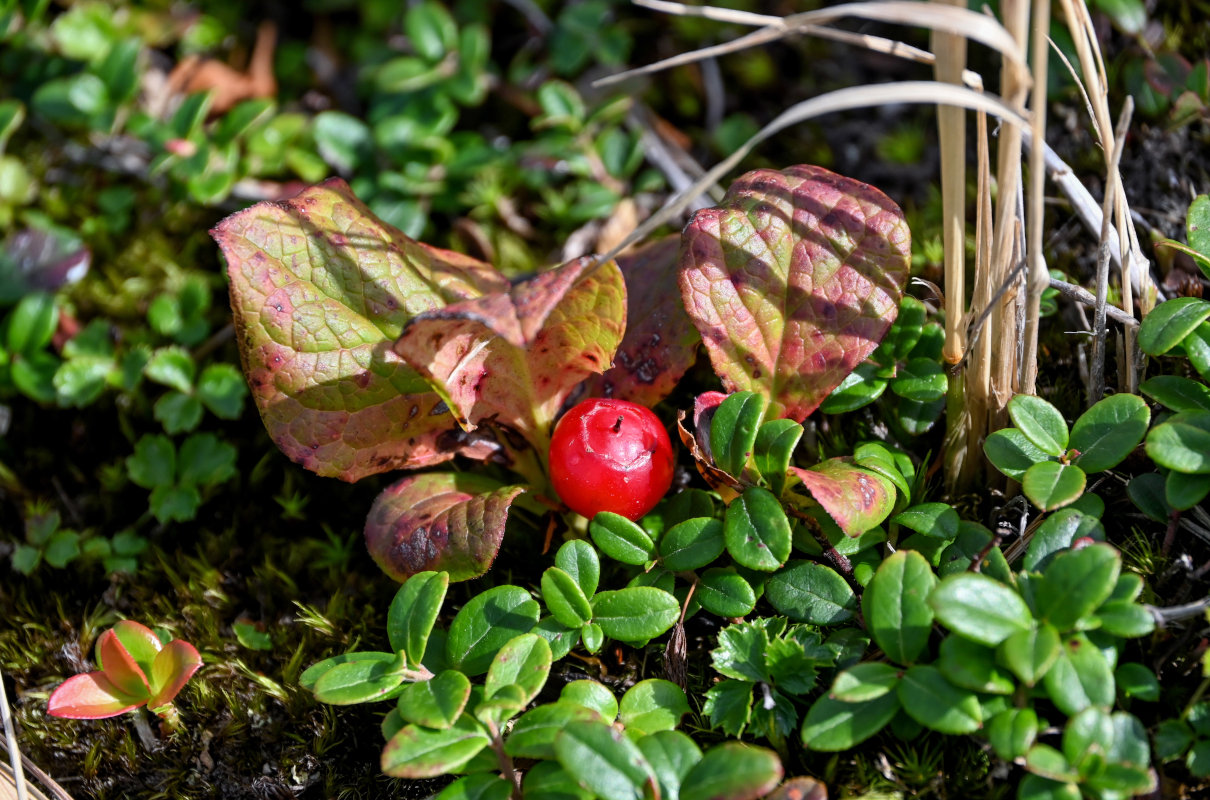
{"x":610,"y":455}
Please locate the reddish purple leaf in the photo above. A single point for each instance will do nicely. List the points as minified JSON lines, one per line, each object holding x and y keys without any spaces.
{"x":90,"y":696}
{"x":793,"y":281}
{"x":120,"y":666}
{"x":513,"y":358}
{"x":856,"y":499}
{"x":173,"y":668}
{"x":451,"y":521}
{"x":320,"y":287}
{"x":660,"y":342}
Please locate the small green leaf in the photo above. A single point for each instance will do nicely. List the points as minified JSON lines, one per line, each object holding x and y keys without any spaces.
{"x":621,"y":539}
{"x":1011,"y":452}
{"x":205,"y":460}
{"x":864,"y":682}
{"x":486,"y":623}
{"x":222,"y":389}
{"x":980,"y":608}
{"x":593,"y":637}
{"x":860,"y":387}
{"x":62,"y":548}
{"x":733,"y":431}
{"x":591,"y":694}
{"x":896,"y":606}
{"x":153,"y":463}
{"x":1172,"y":738}
{"x":1148,"y":492}
{"x":413,"y":612}
{"x":832,"y":725}
{"x":970,"y":665}
{"x":1128,"y":620}
{"x":1177,"y":393}
{"x":477,"y":786}
{"x":561,"y":105}
{"x":431,"y":30}
{"x":1031,"y":653}
{"x":177,"y":412}
{"x":359,"y":681}
{"x":671,"y":755}
{"x":729,"y":706}
{"x":504,"y":703}
{"x":1036,"y":787}
{"x":1012,"y":732}
{"x":692,"y":544}
{"x":313,"y":673}
{"x":174,"y":503}
{"x":564,"y":598}
{"x":935,"y":703}
{"x":875,"y":457}
{"x":251,"y":636}
{"x":604,"y":760}
{"x":774,"y":448}
{"x":1080,"y":677}
{"x":1041,"y":423}
{"x":32,"y":324}
{"x":1182,"y":442}
{"x":436,"y":703}
{"x":547,"y":779}
{"x":1137,"y":681}
{"x":811,"y":592}
{"x":734,"y":771}
{"x":579,"y":560}
{"x":1052,"y":485}
{"x":560,"y":637}
{"x":1183,"y":491}
{"x":652,"y":705}
{"x":525,"y":662}
{"x":1075,"y":583}
{"x":921,"y":380}
{"x":742,"y":649}
{"x":725,"y":592}
{"x":938,"y":520}
{"x":1086,"y":736}
{"x":1106,"y":433}
{"x":172,"y":367}
{"x":533,"y":734}
{"x":1170,"y":322}
{"x":756,"y":530}
{"x":635,"y":614}
{"x":417,"y":752}
{"x":1057,"y":533}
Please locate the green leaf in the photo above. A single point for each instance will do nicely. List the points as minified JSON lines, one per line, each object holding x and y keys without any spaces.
{"x":178,"y":412}
{"x":621,"y":539}
{"x":725,"y":592}
{"x":970,"y":665}
{"x":561,"y":106}
{"x":1080,"y":677}
{"x":875,"y":457}
{"x":935,"y":703}
{"x":741,"y":650}
{"x":1172,"y":738}
{"x":1148,"y":493}
{"x":896,"y":606}
{"x":832,"y":725}
{"x":175,"y":503}
{"x":671,"y":755}
{"x":80,"y":381}
{"x":579,"y":560}
{"x":477,"y":786}
{"x":733,"y":771}
{"x":980,"y":608}
{"x":652,"y":705}
{"x":486,"y":623}
{"x":344,"y":141}
{"x":1041,"y":423}
{"x":729,"y":705}
{"x":865,"y":682}
{"x":593,"y":637}
{"x":205,"y":460}
{"x":1183,"y":491}
{"x":860,"y":387}
{"x":32,"y":324}
{"x":417,"y":752}
{"x":1087,"y":736}
{"x":591,"y":694}
{"x":1013,"y":732}
{"x":921,"y":380}
{"x":360,"y":681}
{"x":252,"y":637}
{"x":1106,"y":433}
{"x":1031,"y":653}
{"x":1182,"y":442}
{"x":1170,"y":322}
{"x":733,"y":431}
{"x":504,"y":703}
{"x":25,"y":559}
{"x":604,"y":760}
{"x":222,"y":389}
{"x":756,"y":530}
{"x":1197,"y":224}
{"x":692,"y":544}
{"x":811,"y":592}
{"x":635,"y":614}
{"x":525,"y":662}
{"x":533,"y":734}
{"x":1035,"y":787}
{"x":153,"y":463}
{"x":565,"y":599}
{"x":436,"y":703}
{"x":1075,"y":584}
{"x":71,"y":101}
{"x":413,"y":612}
{"x":62,"y":548}
{"x":1125,"y":619}
{"x":560,"y":637}
{"x":34,"y":375}
{"x":548,"y":780}
{"x":1011,"y":452}
{"x":313,"y":673}
{"x":1177,"y":393}
{"x":1052,"y":485}
{"x":172,"y":367}
{"x":938,"y":520}
{"x":1057,"y":533}
{"x":773,"y":450}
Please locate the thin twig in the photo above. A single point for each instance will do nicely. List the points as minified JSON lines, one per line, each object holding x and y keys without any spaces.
{"x":1164,"y":616}
{"x":10,"y":739}
{"x":1082,"y":295}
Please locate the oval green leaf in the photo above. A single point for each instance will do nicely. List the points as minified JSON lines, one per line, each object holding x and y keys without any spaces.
{"x":935,"y":703}
{"x":733,"y":431}
{"x":864,"y":682}
{"x":980,"y":608}
{"x":604,"y":760}
{"x":921,"y":380}
{"x":832,"y":725}
{"x":651,"y":706}
{"x":733,"y":771}
{"x":1052,"y":485}
{"x":525,"y":662}
{"x":1012,"y":732}
{"x":1170,"y":322}
{"x":486,"y":623}
{"x":1182,"y":442}
{"x":564,"y":598}
{"x":413,"y":612}
{"x":725,"y":592}
{"x":1075,"y":583}
{"x":579,"y":560}
{"x":635,"y":614}
{"x":810,"y":592}
{"x":533,"y":734}
{"x":1177,"y":393}
{"x":1056,"y":534}
{"x":435,"y":703}
{"x":621,"y":539}
{"x":971,"y":665}
{"x":774,"y":447}
{"x":896,"y":607}
{"x":756,"y":530}
{"x":938,"y":520}
{"x":1031,"y":653}
{"x":1011,"y":452}
{"x":417,"y":752}
{"x":692,"y":544}
{"x":1041,"y":423}
{"x":1106,"y":433}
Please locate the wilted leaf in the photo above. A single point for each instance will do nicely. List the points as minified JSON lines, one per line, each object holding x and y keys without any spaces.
{"x":855,"y":498}
{"x":444,"y":521}
{"x":320,"y":288}
{"x":793,"y":281}
{"x":513,"y":357}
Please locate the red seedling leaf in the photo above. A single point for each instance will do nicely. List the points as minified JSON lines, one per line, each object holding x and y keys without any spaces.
{"x":90,"y":696}
{"x":120,"y":666}
{"x":513,"y":357}
{"x":794,"y":281}
{"x":320,"y":287}
{"x":856,"y":499}
{"x":451,"y":521}
{"x":173,"y":667}
{"x":660,"y":342}
{"x":139,"y":641}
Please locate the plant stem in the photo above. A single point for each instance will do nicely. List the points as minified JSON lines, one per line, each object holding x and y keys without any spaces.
{"x":505,"y":760}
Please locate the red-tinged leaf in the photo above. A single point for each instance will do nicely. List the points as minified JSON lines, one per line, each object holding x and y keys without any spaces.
{"x":90,"y":696}
{"x":320,"y":287}
{"x":697,"y":442}
{"x":856,"y":499}
{"x":140,"y":643}
{"x":120,"y":667}
{"x":514,"y":357}
{"x":173,"y":668}
{"x":660,"y":342}
{"x":442,"y":521}
{"x":793,"y":281}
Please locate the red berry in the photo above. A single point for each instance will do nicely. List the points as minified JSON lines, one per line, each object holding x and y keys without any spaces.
{"x":610,"y":455}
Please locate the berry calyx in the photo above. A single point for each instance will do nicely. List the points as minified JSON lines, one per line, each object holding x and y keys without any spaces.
{"x":610,"y":455}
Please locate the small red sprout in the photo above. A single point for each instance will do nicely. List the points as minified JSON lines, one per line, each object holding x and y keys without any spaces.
{"x":136,"y":669}
{"x":610,"y":455}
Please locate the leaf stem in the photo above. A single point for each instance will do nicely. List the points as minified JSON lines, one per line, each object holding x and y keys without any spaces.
{"x":505,"y":760}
